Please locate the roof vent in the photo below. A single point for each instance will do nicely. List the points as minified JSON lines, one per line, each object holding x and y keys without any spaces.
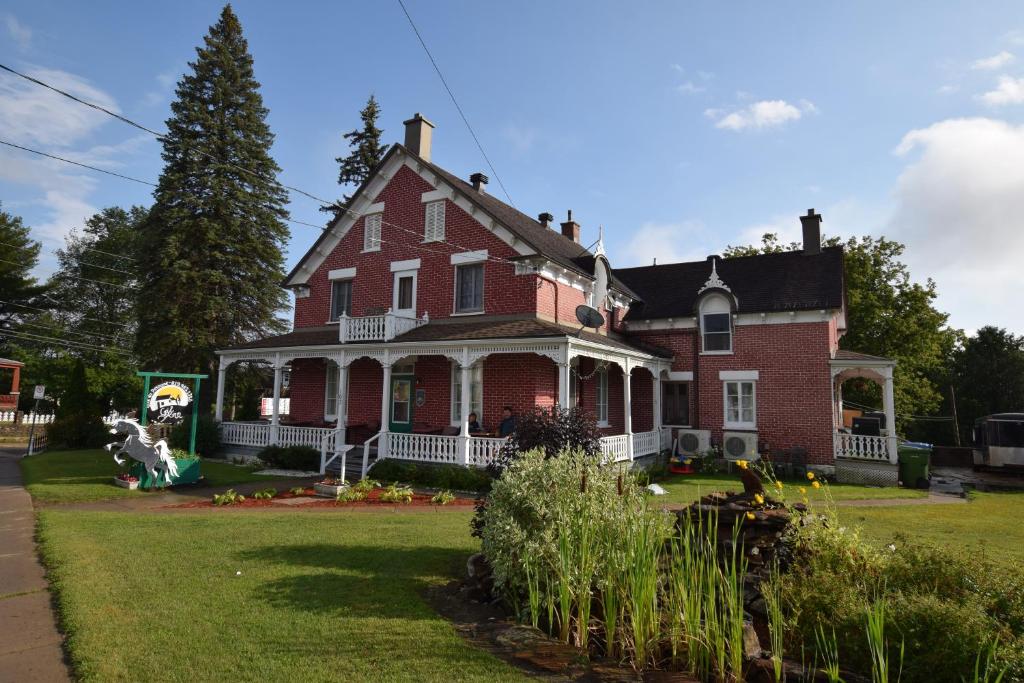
{"x":479,"y":181}
{"x":571,"y":229}
{"x":545,"y":219}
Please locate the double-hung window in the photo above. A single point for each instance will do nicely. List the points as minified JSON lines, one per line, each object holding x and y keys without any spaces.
{"x":476,"y":392}
{"x":341,"y":298}
{"x":469,"y":288}
{"x":716,"y":324}
{"x":602,"y":397}
{"x":433,"y":225}
{"x":675,"y":403}
{"x":331,"y":392}
{"x":371,"y":232}
{"x":740,"y":404}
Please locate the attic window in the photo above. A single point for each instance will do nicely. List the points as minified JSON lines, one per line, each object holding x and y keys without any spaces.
{"x":433,"y":230}
{"x":371,"y":232}
{"x":716,"y":324}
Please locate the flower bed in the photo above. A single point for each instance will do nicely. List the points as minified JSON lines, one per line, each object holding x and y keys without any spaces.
{"x":373,"y":499}
{"x":126,"y":481}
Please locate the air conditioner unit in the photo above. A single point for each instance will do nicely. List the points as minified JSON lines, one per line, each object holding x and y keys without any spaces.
{"x":693,"y":441}
{"x":740,"y":445}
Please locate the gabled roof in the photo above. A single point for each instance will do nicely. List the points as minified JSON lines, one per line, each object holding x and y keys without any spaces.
{"x":787,"y":281}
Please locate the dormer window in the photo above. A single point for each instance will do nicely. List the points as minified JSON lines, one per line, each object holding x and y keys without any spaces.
{"x":716,"y":324}
{"x":433,"y":230}
{"x":371,"y":232}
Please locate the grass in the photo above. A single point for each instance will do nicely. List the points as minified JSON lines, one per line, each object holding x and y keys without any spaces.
{"x":686,"y":488}
{"x":85,"y":476}
{"x":989,"y":523}
{"x":321,"y":596}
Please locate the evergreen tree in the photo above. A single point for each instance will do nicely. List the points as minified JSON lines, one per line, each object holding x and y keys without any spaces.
{"x":366,"y":152}
{"x":18,"y":289}
{"x":210,"y":257}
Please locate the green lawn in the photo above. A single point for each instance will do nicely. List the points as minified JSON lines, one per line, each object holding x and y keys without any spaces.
{"x":321,"y":596}
{"x":989,"y":523}
{"x":685,"y":488}
{"x":83,"y":476}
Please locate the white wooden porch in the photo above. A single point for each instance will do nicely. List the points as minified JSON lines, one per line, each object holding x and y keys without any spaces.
{"x":860,"y":458}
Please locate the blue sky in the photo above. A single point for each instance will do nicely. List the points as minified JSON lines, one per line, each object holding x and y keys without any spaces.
{"x":679,"y":127}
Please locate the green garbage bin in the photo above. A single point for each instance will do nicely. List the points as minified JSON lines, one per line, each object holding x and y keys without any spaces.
{"x":914,"y":461}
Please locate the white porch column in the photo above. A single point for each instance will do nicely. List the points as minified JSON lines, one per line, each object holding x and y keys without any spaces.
{"x":464,"y":378}
{"x":627,"y":404}
{"x":222,"y":371}
{"x":385,"y":407}
{"x":656,"y":388}
{"x":889,"y":406}
{"x":339,"y":438}
{"x":275,"y":415}
{"x":563,"y":385}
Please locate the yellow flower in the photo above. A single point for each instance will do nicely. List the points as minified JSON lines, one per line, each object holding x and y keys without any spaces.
{"x":750,"y":516}
{"x":816,"y":485}
{"x":759,"y":499}
{"x":803,"y":490}
{"x":778,"y":484}
{"x":688,"y":461}
{"x":810,"y":475}
{"x":742,"y":464}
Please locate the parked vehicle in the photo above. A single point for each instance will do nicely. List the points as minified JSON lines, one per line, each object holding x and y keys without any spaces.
{"x":999,"y":440}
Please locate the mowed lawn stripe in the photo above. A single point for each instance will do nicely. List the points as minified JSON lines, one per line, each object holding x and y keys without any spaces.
{"x":321,"y":596}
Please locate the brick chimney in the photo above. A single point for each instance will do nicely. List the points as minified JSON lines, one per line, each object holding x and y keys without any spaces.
{"x":418,"y":133}
{"x":571,"y":229}
{"x":811,"y":224}
{"x":479,"y":181}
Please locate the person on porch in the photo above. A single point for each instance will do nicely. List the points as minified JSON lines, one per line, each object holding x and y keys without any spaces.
{"x":508,"y":422}
{"x":474,"y":424}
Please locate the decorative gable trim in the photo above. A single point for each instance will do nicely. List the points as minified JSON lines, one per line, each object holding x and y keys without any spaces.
{"x":714,"y":282}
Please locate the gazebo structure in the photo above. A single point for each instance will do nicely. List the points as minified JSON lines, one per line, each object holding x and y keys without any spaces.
{"x":9,"y":399}
{"x":861,"y":458}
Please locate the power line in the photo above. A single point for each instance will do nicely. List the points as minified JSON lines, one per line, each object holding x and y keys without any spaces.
{"x":76,"y":163}
{"x":55,"y":329}
{"x":455,"y":101}
{"x":64,"y":342}
{"x":45,"y":310}
{"x":75,"y":277}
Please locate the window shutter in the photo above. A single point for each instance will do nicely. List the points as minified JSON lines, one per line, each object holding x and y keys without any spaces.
{"x":433,"y":230}
{"x":371,"y":232}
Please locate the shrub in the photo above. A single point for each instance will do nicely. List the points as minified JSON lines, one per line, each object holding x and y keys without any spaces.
{"x":396,"y":494}
{"x":207,"y":436}
{"x":552,"y":432}
{"x":945,"y":608}
{"x":454,"y":477}
{"x":78,"y":430}
{"x":442,"y":497}
{"x":304,"y":458}
{"x":229,"y":497}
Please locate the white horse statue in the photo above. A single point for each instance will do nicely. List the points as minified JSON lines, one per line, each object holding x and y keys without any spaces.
{"x":139,"y":446}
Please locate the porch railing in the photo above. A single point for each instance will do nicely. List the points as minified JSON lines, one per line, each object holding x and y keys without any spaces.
{"x":254,"y":434}
{"x":302,"y":436}
{"x":615,"y":448}
{"x":376,"y":327}
{"x":646,"y":443}
{"x":484,"y":450}
{"x":422,"y":447}
{"x":862,"y":447}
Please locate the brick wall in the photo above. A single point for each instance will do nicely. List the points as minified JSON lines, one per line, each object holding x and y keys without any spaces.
{"x":372,"y":289}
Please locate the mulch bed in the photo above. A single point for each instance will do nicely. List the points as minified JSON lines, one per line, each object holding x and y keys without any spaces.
{"x":419,"y":500}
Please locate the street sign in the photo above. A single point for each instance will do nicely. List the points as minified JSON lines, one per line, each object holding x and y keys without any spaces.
{"x":40,"y":392}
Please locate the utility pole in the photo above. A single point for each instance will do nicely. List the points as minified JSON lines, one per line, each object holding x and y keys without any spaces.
{"x":956,"y":421}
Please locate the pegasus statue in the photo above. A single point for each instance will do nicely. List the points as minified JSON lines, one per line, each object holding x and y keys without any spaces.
{"x":138,"y":445}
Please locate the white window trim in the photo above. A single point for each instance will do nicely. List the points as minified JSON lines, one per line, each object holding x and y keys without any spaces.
{"x":332,"y":369}
{"x":411,"y":264}
{"x":434,"y":196}
{"x":330,"y":306}
{"x":708,"y":303}
{"x":380,"y":233}
{"x":341,"y":274}
{"x":456,"y":381}
{"x":398,"y":275}
{"x":725,"y":404}
{"x":444,"y":212}
{"x":602,"y":381}
{"x":455,"y":292}
{"x":469,"y":257}
{"x":680,"y":376}
{"x":751,"y":375}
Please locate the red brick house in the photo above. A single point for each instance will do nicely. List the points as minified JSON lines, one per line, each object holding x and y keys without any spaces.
{"x":430,"y":299}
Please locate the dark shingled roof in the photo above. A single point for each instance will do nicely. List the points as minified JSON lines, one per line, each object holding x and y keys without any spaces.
{"x":843,"y":354}
{"x":787,"y":281}
{"x":457,"y":330}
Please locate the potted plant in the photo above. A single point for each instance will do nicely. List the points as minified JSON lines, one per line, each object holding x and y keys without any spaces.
{"x":330,"y":487}
{"x":127,"y":481}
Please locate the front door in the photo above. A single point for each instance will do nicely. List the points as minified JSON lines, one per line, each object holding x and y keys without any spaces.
{"x":401,"y":403}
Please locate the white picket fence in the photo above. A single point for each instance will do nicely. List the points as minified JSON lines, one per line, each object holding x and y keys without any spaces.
{"x":8,"y":417}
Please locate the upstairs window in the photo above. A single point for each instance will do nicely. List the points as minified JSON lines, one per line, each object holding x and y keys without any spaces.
{"x":716,"y":324}
{"x":469,"y":288}
{"x":405,"y":293}
{"x":341,"y":298}
{"x":433,"y":230}
{"x":371,"y":232}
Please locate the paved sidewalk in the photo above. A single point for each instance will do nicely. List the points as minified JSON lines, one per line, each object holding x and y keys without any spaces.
{"x":30,"y":644}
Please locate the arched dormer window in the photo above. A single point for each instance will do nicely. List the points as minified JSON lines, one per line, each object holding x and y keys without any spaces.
{"x":716,"y":324}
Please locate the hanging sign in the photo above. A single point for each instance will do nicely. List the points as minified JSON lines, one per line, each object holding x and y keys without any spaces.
{"x":169,"y":403}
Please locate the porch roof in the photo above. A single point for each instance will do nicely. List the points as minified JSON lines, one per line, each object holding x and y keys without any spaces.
{"x":456,"y":329}
{"x":843,"y":356}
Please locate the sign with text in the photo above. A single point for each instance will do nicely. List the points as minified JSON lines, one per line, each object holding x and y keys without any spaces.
{"x":169,"y":403}
{"x":40,"y":392}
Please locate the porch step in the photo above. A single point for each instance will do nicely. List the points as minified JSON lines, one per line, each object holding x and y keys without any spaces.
{"x":353,"y":464}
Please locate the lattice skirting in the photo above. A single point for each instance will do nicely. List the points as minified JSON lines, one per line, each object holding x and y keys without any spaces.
{"x":872,"y":473}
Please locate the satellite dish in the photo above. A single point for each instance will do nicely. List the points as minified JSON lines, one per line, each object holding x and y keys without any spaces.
{"x":589,"y":316}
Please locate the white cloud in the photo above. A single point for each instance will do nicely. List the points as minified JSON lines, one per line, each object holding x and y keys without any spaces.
{"x":947,"y":89}
{"x":20,"y":34}
{"x":690,"y":88}
{"x":678,"y":68}
{"x":759,"y":115}
{"x":1009,"y":91}
{"x":994,"y":62}
{"x":958,"y":204}
{"x":522,"y":138}
{"x":165,"y":83}
{"x":667,"y":242}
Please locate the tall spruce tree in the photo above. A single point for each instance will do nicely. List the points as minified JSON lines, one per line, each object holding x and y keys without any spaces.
{"x":18,"y":288}
{"x":210,"y":251}
{"x":366,"y":152}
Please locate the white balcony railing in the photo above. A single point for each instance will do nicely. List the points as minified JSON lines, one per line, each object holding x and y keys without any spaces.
{"x":376,"y":327}
{"x":861,"y":447}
